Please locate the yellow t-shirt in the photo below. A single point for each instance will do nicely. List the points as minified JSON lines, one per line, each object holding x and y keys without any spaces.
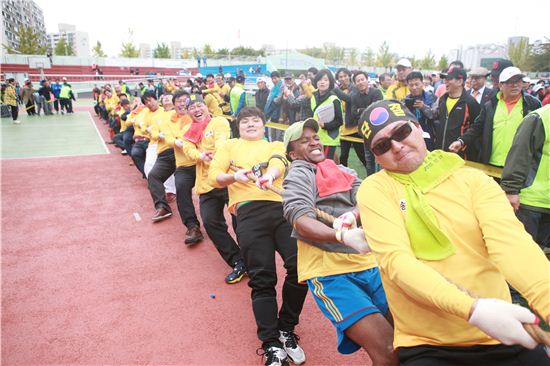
{"x":171,"y":125}
{"x":138,"y":122}
{"x":430,"y":300}
{"x":181,"y":158}
{"x":214,"y":136}
{"x":450,"y":104}
{"x":314,"y":262}
{"x":245,"y":154}
{"x":213,"y":105}
{"x":150,"y":119}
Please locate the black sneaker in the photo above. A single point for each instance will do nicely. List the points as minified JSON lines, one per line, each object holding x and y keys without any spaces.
{"x":274,"y":356}
{"x":290,"y":344}
{"x":237,"y":274}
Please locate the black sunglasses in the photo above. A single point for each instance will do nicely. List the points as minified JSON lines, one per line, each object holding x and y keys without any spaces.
{"x":399,"y":134}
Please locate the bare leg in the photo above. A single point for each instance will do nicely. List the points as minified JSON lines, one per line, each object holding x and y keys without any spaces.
{"x":375,"y":335}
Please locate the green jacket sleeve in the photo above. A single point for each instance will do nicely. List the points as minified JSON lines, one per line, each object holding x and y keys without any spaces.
{"x":528,"y":140}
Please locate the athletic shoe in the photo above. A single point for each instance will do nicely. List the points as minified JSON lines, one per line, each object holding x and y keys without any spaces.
{"x":290,"y":344}
{"x":193,"y":236}
{"x":237,"y":274}
{"x":124,"y":152}
{"x":161,"y":214}
{"x":274,"y":356}
{"x":16,"y":122}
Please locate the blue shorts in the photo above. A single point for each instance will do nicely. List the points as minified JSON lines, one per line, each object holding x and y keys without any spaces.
{"x":346,"y":298}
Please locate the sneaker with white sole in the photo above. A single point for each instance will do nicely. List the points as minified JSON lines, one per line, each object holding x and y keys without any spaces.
{"x":274,"y":356}
{"x":293,"y":350}
{"x":16,"y":122}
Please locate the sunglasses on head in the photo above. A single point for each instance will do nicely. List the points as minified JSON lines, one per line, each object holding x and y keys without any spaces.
{"x":399,"y":134}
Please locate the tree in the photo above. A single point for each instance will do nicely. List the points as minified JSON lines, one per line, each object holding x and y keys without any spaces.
{"x":207,"y":50}
{"x":428,"y":62}
{"x":222,"y":52}
{"x":97,"y":50}
{"x":367,"y":58}
{"x":30,"y":42}
{"x":384,"y":57}
{"x":540,"y":56}
{"x":443,"y":63}
{"x":352,"y":57}
{"x":185,"y":54}
{"x":128,"y":49}
{"x":161,"y":51}
{"x":519,"y":54}
{"x":63,"y":48}
{"x":414,"y":62}
{"x":313,"y":52}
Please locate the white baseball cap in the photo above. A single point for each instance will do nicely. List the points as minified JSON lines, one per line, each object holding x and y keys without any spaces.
{"x":261,"y":79}
{"x":404,"y":62}
{"x":537,"y":87}
{"x":508,"y":73}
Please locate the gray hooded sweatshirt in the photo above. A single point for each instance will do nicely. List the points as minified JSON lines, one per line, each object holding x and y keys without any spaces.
{"x":300,"y":197}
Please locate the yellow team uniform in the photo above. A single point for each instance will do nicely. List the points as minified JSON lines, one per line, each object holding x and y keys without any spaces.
{"x":214,"y":136}
{"x":431,"y":300}
{"x":245,"y":154}
{"x":150,"y":119}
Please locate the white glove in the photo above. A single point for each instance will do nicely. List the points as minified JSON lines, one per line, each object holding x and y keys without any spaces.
{"x":241,"y":175}
{"x":162,"y":136}
{"x":206,"y":156}
{"x":265,"y":181}
{"x":503,"y":321}
{"x":178,"y":143}
{"x":345,"y":221}
{"x":149,"y":129}
{"x":355,"y":238}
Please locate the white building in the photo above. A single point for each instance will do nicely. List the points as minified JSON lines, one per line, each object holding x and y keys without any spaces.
{"x":175,"y":50}
{"x":16,"y":13}
{"x":78,"y":40}
{"x":483,"y":55}
{"x":145,"y":50}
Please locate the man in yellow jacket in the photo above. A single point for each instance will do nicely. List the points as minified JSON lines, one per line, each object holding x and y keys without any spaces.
{"x":10,"y":98}
{"x":205,"y":136}
{"x":400,"y":89}
{"x":171,"y":160}
{"x":447,"y":242}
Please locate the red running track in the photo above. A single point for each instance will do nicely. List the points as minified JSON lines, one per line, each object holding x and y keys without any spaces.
{"x":83,"y":282}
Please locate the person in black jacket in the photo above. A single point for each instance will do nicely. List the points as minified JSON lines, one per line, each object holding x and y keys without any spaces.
{"x":500,"y":117}
{"x":344,"y":91}
{"x":45,"y":92}
{"x":261,"y":94}
{"x":456,"y":112}
{"x":361,"y":100}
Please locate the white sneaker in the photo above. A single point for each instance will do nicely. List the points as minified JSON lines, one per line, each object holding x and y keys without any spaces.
{"x":274,"y":356}
{"x":16,"y":122}
{"x":292,"y":348}
{"x":124,"y":152}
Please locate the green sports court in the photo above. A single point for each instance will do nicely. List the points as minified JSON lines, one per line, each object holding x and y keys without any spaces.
{"x":51,"y":136}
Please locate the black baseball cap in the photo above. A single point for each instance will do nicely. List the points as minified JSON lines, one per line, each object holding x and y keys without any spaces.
{"x":500,"y":65}
{"x":454,"y":72}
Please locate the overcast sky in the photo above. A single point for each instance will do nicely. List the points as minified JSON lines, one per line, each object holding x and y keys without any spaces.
{"x":409,"y":27}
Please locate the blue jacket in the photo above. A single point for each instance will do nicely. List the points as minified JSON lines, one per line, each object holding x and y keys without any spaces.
{"x":56,"y":88}
{"x":425,"y":117}
{"x":272,"y":110}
